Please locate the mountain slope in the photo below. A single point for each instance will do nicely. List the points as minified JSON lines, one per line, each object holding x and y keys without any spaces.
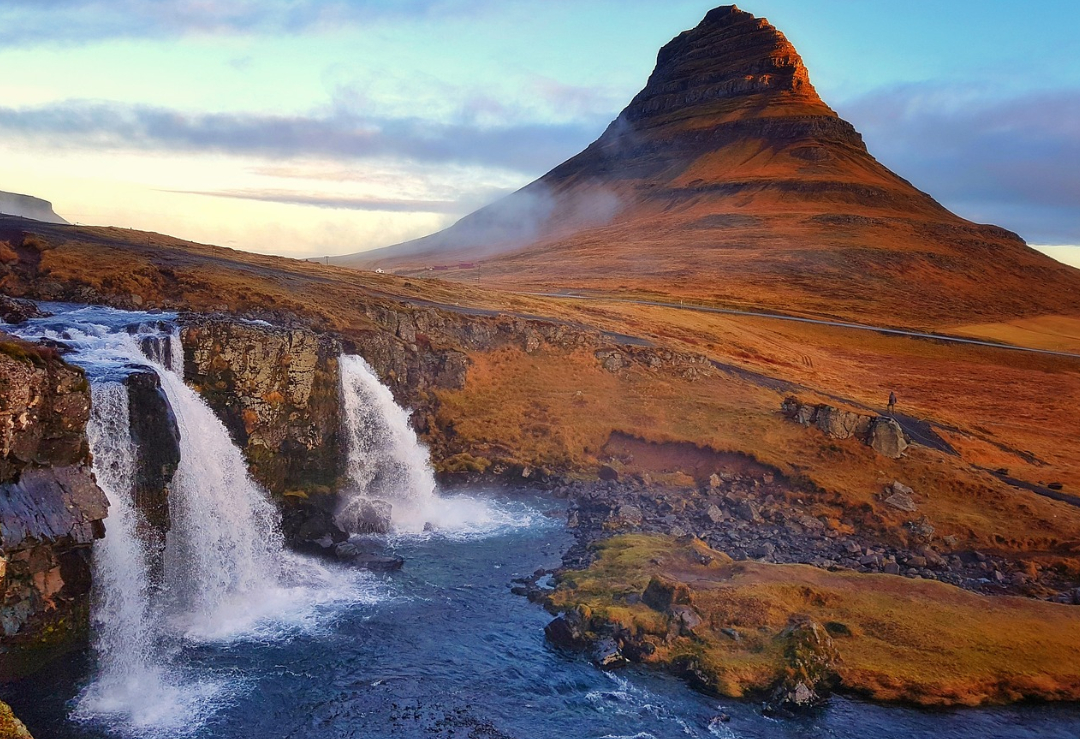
{"x":26,"y":206}
{"x":728,"y":180}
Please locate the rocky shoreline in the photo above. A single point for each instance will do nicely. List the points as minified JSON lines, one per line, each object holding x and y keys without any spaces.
{"x":751,"y":519}
{"x":754,"y":518}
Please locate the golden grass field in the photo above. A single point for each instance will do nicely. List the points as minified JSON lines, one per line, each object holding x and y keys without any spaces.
{"x":557,"y":408}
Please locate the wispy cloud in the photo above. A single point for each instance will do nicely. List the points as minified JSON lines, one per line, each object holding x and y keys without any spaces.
{"x":529,"y":147}
{"x":27,"y":22}
{"x":346,"y":202}
{"x":1010,"y":161}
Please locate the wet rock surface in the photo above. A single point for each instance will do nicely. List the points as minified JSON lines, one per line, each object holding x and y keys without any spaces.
{"x":51,"y":509}
{"x":157,"y":442}
{"x":277,"y":391}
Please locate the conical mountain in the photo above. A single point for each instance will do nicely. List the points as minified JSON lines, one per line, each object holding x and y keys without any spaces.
{"x":727,"y":179}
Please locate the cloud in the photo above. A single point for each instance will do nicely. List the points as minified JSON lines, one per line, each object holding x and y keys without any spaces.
{"x":345,"y":202}
{"x":1010,"y":161}
{"x":28,"y":22}
{"x":528,"y":147}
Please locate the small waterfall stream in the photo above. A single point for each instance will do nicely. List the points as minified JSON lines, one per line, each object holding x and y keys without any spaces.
{"x":223,"y":552}
{"x":385,"y":459}
{"x":132,"y":670}
{"x":387,"y":462}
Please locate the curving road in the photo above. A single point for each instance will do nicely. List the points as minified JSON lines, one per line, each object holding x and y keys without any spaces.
{"x":817,"y":321}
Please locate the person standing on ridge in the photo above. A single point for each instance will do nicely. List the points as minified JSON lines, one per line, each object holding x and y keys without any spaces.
{"x":892,"y":402}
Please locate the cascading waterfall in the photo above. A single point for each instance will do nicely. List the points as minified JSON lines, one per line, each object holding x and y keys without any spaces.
{"x":386,"y":462}
{"x":223,"y":552}
{"x":385,"y":459}
{"x":133,"y":674}
{"x":227,"y":575}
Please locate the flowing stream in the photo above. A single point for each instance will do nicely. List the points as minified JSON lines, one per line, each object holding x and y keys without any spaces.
{"x":246,"y":640}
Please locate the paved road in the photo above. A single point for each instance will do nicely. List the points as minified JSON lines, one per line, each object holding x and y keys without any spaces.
{"x":817,"y":321}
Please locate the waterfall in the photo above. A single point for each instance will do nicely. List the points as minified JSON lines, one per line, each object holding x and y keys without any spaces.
{"x":123,"y":629}
{"x":223,"y":552}
{"x":385,"y":459}
{"x":226,"y":576}
{"x":386,"y":462}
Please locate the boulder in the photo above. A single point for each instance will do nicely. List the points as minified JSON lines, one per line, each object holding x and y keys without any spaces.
{"x":661,"y":594}
{"x":886,"y":437}
{"x":839,"y":424}
{"x":902,"y":502}
{"x":608,"y":474}
{"x":748,"y":511}
{"x":715,"y":515}
{"x":376,"y":562}
{"x":685,"y":619}
{"x":810,"y":673}
{"x":607,"y":655}
{"x":611,"y":360}
{"x":567,"y":630}
{"x":14,"y":310}
{"x":309,"y":525}
{"x":901,"y":488}
{"x":798,"y":412}
{"x":362,"y":516}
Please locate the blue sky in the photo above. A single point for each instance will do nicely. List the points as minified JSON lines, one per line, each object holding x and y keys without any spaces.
{"x":309,"y":127}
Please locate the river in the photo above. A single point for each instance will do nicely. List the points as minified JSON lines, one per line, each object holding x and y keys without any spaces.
{"x":291,"y":647}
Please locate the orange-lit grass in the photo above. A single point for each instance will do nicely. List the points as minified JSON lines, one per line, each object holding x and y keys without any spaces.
{"x":915,"y":641}
{"x":558,"y":409}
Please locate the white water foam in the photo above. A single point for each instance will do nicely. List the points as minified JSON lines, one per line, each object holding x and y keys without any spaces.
{"x":227,"y":576}
{"x":135,"y":679}
{"x":387,"y":462}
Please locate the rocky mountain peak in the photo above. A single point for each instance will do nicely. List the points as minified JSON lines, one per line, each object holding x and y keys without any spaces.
{"x":730,"y":59}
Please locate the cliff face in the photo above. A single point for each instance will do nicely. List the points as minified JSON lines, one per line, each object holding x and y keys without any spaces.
{"x":26,"y":206}
{"x":727,"y":179}
{"x":51,"y":509}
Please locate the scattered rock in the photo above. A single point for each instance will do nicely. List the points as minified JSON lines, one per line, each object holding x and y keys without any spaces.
{"x":887,"y":437}
{"x":608,"y":474}
{"x":811,"y":674}
{"x":607,"y":655}
{"x":901,"y":488}
{"x":685,"y":619}
{"x":715,"y":514}
{"x":902,"y":502}
{"x":661,"y":594}
{"x":629,"y":515}
{"x":748,"y":511}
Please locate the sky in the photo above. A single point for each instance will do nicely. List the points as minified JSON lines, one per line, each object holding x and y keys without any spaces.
{"x":313,"y":127}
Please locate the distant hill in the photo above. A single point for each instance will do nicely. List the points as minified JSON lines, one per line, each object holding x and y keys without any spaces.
{"x":728,"y":180}
{"x":25,"y":206}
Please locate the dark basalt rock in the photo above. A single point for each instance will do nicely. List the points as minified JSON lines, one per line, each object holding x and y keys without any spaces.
{"x":308,"y":524}
{"x":14,"y":310}
{"x":157,"y":441}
